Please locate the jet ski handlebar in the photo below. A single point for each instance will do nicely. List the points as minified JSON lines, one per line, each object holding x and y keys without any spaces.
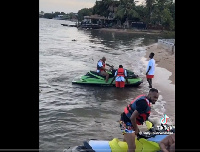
{"x":112,"y":66}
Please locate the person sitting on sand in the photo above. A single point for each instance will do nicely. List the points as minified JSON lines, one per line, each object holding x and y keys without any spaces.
{"x":101,"y":68}
{"x":168,"y":143}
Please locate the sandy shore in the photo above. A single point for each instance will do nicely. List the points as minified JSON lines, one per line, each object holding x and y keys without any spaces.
{"x":164,"y":59}
{"x":164,"y":78}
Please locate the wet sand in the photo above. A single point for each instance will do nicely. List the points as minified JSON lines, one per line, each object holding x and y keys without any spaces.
{"x":164,"y":78}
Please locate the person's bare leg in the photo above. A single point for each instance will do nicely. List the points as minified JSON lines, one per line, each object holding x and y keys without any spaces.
{"x":130,"y":139}
{"x":150,"y":83}
{"x":110,"y":69}
{"x":107,"y":76}
{"x":124,"y":140}
{"x":172,"y":148}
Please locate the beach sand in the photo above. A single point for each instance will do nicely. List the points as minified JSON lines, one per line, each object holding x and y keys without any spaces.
{"x":164,"y":78}
{"x":164,"y":58}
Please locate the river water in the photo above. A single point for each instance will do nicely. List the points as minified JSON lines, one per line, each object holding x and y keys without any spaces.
{"x":69,"y":113}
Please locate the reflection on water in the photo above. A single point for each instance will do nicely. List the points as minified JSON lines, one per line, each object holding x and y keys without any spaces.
{"x":70,"y":114}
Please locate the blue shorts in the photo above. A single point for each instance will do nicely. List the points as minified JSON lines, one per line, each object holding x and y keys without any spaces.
{"x":126,"y":127}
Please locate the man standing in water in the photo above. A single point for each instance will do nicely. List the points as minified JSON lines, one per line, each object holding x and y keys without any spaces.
{"x":150,"y":69}
{"x":120,"y":77}
{"x":135,"y":114}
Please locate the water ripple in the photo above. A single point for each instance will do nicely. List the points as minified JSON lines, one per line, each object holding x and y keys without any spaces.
{"x":70,"y":114}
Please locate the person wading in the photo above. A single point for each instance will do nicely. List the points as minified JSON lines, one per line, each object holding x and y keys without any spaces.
{"x":120,"y":76}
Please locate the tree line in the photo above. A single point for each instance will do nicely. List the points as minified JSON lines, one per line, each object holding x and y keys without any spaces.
{"x":154,"y":12}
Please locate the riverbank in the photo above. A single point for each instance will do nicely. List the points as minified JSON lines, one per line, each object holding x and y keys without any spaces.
{"x":164,"y":78}
{"x":137,"y":31}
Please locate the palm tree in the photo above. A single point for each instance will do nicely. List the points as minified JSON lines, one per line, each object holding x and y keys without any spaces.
{"x":126,"y":10}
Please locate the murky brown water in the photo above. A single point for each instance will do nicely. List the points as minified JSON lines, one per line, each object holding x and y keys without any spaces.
{"x":70,"y":114}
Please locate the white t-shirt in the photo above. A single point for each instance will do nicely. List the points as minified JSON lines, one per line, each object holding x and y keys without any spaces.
{"x":152,"y":64}
{"x":120,"y":78}
{"x":100,"y":64}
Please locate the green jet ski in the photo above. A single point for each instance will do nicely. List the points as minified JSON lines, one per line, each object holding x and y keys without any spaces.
{"x":93,"y":78}
{"x":144,"y":143}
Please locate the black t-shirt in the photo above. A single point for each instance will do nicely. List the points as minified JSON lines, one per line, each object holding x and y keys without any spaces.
{"x":141,"y":106}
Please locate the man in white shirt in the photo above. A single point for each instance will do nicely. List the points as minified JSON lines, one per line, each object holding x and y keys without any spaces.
{"x":150,"y":69}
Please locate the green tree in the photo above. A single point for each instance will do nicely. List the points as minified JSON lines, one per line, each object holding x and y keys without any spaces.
{"x":149,"y":5}
{"x":167,"y":20}
{"x":142,"y":11}
{"x":171,"y":7}
{"x":49,"y":15}
{"x":154,"y":12}
{"x":84,"y":12}
{"x":127,"y":10}
{"x":101,"y":8}
{"x":104,"y":7}
{"x":56,"y":14}
{"x":163,"y":13}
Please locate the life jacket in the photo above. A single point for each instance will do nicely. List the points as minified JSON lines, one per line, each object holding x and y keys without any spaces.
{"x":98,"y":67}
{"x":132,"y":106}
{"x":121,"y":72}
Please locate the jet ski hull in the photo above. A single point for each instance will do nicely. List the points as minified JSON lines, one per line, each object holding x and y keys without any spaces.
{"x":93,"y":78}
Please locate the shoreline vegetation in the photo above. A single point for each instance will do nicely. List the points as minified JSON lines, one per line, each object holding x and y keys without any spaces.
{"x":154,"y":15}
